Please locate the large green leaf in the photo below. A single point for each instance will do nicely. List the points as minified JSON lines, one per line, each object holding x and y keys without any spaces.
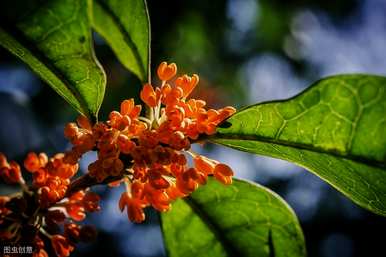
{"x":336,"y":129}
{"x":125,"y":26}
{"x":242,"y":219}
{"x":54,"y":39}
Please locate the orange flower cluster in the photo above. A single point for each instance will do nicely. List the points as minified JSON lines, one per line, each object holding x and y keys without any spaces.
{"x":72,"y":208}
{"x":64,"y":244}
{"x":80,"y":203}
{"x":151,"y":153}
{"x":43,"y":207}
{"x":50,"y":176}
{"x":10,"y":171}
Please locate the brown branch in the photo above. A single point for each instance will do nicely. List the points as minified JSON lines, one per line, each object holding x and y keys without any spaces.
{"x":87,"y":181}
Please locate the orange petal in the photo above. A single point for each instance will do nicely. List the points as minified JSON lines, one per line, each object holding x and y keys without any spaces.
{"x":166,"y":71}
{"x":204,"y":164}
{"x":32,"y":162}
{"x":84,"y":122}
{"x":148,"y":95}
{"x":123,"y":200}
{"x":70,"y":130}
{"x":61,"y":245}
{"x":127,"y":106}
{"x":226,"y":180}
{"x":135,"y":213}
{"x":223,"y":169}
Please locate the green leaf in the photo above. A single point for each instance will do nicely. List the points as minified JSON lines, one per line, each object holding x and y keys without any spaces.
{"x":125,"y":26}
{"x":242,"y":219}
{"x":335,"y":129}
{"x":54,"y":39}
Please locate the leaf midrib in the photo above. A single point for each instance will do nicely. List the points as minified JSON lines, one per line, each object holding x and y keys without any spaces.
{"x":243,"y":137}
{"x":227,"y":244}
{"x":126,"y":35}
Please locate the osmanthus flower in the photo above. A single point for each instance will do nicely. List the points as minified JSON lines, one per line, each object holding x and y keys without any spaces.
{"x":51,"y":177}
{"x":10,"y":172}
{"x":150,"y":154}
{"x":35,"y":215}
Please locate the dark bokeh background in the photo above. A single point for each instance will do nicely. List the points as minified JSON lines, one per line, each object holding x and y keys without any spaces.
{"x":245,"y":51}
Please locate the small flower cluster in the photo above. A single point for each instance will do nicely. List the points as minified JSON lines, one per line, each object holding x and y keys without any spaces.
{"x":10,"y":172}
{"x":50,"y":176}
{"x":151,"y":153}
{"x":36,"y":214}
